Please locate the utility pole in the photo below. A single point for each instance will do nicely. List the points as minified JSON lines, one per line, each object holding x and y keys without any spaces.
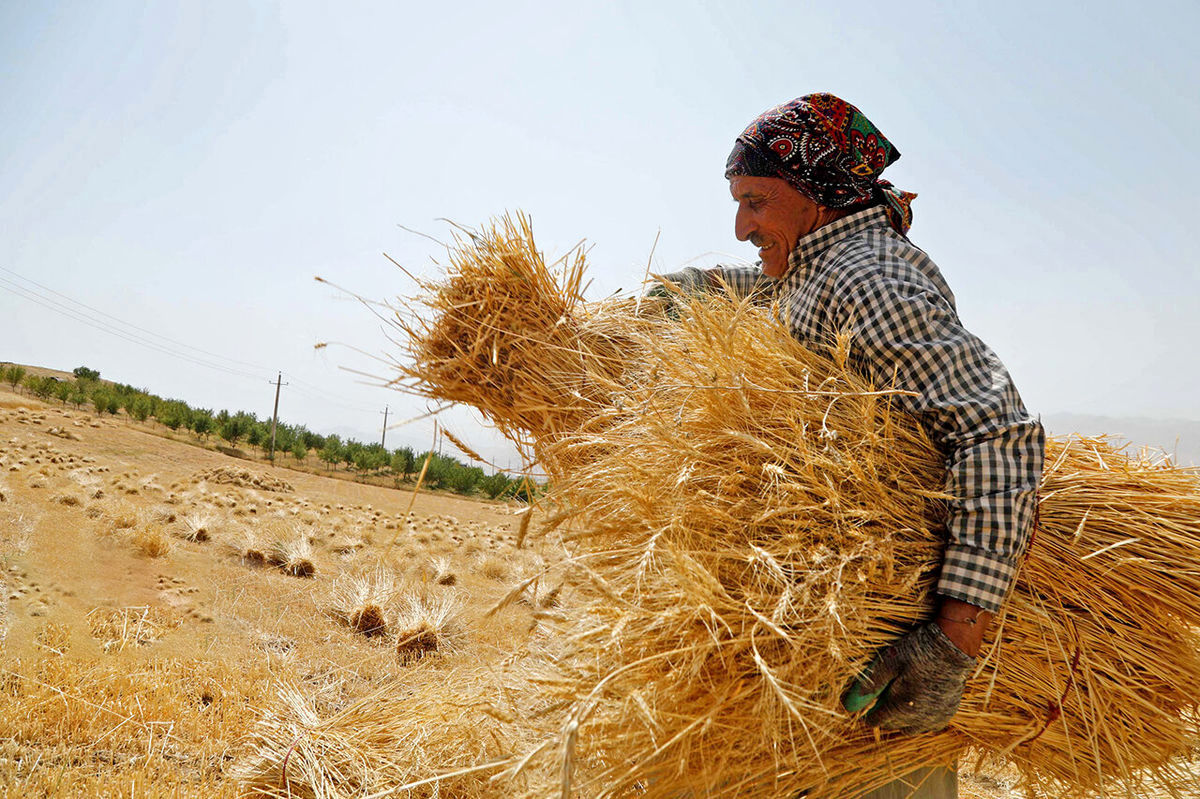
{"x":275,"y":414}
{"x":383,"y":438}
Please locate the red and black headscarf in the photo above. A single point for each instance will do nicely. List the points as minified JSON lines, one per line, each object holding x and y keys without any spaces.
{"x":828,"y":151}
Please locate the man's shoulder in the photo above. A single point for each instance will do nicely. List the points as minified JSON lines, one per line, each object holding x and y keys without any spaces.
{"x":880,"y":255}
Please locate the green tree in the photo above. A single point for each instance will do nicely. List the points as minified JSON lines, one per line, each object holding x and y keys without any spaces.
{"x":255,"y":435}
{"x":439,"y":471}
{"x":350,"y":452}
{"x":140,"y":408}
{"x":464,"y":478}
{"x":285,"y":436}
{"x":234,"y":428}
{"x":173,"y":413}
{"x":299,"y":451}
{"x":78,"y":394}
{"x":84,"y":373}
{"x":14,"y":375}
{"x":42,"y":387}
{"x":202,"y":422}
{"x":525,"y":490}
{"x":494,"y":485}
{"x":402,"y":462}
{"x":331,"y":450}
{"x":99,"y":401}
{"x":63,"y":390}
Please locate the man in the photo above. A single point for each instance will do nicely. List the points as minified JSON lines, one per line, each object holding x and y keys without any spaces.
{"x":832,"y":238}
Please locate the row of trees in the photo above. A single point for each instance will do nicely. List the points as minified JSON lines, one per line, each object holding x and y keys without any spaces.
{"x":443,"y":471}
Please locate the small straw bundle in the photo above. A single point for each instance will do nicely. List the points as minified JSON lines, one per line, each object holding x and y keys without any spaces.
{"x":361,"y":601}
{"x":755,"y":521}
{"x":426,"y":625}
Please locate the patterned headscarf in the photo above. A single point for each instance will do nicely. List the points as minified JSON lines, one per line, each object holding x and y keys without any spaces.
{"x":827,"y":150}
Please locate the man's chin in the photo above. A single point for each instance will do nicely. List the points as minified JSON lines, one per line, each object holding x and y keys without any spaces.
{"x":774,"y":269}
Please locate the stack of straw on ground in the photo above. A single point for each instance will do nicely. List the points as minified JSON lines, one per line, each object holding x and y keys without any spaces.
{"x":754,"y":521}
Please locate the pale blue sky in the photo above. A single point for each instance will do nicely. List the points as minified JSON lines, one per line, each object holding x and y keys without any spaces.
{"x":188,"y":168}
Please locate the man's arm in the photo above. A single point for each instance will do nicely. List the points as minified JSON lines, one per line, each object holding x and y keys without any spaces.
{"x":742,"y":281}
{"x":906,"y":334}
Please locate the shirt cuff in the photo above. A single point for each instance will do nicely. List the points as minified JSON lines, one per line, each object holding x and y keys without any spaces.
{"x":976,"y":576}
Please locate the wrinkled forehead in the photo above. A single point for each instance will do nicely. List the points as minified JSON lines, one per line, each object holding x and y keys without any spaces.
{"x":746,"y":186}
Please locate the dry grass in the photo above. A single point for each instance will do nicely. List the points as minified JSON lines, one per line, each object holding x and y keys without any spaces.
{"x":122,"y":516}
{"x":107,"y":728}
{"x":197,"y":527}
{"x":151,"y":539}
{"x":404,"y":734}
{"x":494,"y":567}
{"x":119,"y":628}
{"x":443,"y":574}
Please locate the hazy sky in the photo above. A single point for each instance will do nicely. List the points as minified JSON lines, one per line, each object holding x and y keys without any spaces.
{"x":189,"y":167}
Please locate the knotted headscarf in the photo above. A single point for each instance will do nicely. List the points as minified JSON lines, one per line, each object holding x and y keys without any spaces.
{"x":827,"y":150}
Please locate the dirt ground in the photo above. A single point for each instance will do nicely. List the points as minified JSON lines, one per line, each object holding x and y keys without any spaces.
{"x":154,"y":595}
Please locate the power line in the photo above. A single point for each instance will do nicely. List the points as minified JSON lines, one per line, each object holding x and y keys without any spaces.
{"x":129,"y":324}
{"x":314,"y":392}
{"x":79,"y":316}
{"x":321,"y":396}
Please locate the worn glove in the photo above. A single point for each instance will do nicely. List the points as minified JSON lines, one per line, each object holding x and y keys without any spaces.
{"x":918,"y":681}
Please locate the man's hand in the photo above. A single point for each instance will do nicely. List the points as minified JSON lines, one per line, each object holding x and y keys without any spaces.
{"x":917,"y":682}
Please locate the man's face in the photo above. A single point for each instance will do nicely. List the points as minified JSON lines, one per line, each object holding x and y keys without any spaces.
{"x":772,"y":216}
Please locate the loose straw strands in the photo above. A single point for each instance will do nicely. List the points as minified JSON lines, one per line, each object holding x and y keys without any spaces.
{"x":440,"y":743}
{"x":528,"y":366}
{"x":755,"y":521}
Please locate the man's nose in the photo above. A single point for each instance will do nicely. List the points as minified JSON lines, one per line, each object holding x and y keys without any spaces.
{"x":742,"y":226}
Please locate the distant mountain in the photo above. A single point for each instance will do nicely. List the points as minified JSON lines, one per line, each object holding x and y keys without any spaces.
{"x":1177,"y":437}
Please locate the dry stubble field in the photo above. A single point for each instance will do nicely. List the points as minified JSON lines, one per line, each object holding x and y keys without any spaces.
{"x":155,"y":597}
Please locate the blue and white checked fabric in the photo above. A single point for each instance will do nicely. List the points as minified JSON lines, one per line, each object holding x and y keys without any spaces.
{"x":858,"y":275}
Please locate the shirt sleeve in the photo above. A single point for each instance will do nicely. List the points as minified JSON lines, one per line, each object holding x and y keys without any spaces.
{"x":905,"y":334}
{"x":743,"y":281}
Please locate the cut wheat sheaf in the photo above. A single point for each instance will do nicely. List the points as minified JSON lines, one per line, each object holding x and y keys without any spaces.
{"x":750,"y":521}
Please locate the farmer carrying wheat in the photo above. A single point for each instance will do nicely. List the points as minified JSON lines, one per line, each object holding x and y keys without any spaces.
{"x":832,"y":238}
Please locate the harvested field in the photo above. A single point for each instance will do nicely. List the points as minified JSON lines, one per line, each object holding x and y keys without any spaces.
{"x":140,"y":648}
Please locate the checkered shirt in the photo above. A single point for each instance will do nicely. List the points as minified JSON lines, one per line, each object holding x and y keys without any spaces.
{"x":859,"y":275}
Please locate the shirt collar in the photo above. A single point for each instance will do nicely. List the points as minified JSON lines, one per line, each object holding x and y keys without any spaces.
{"x":810,"y":247}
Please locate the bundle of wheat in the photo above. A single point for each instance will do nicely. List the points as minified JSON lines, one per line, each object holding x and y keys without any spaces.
{"x":764,"y":521}
{"x":755,"y":521}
